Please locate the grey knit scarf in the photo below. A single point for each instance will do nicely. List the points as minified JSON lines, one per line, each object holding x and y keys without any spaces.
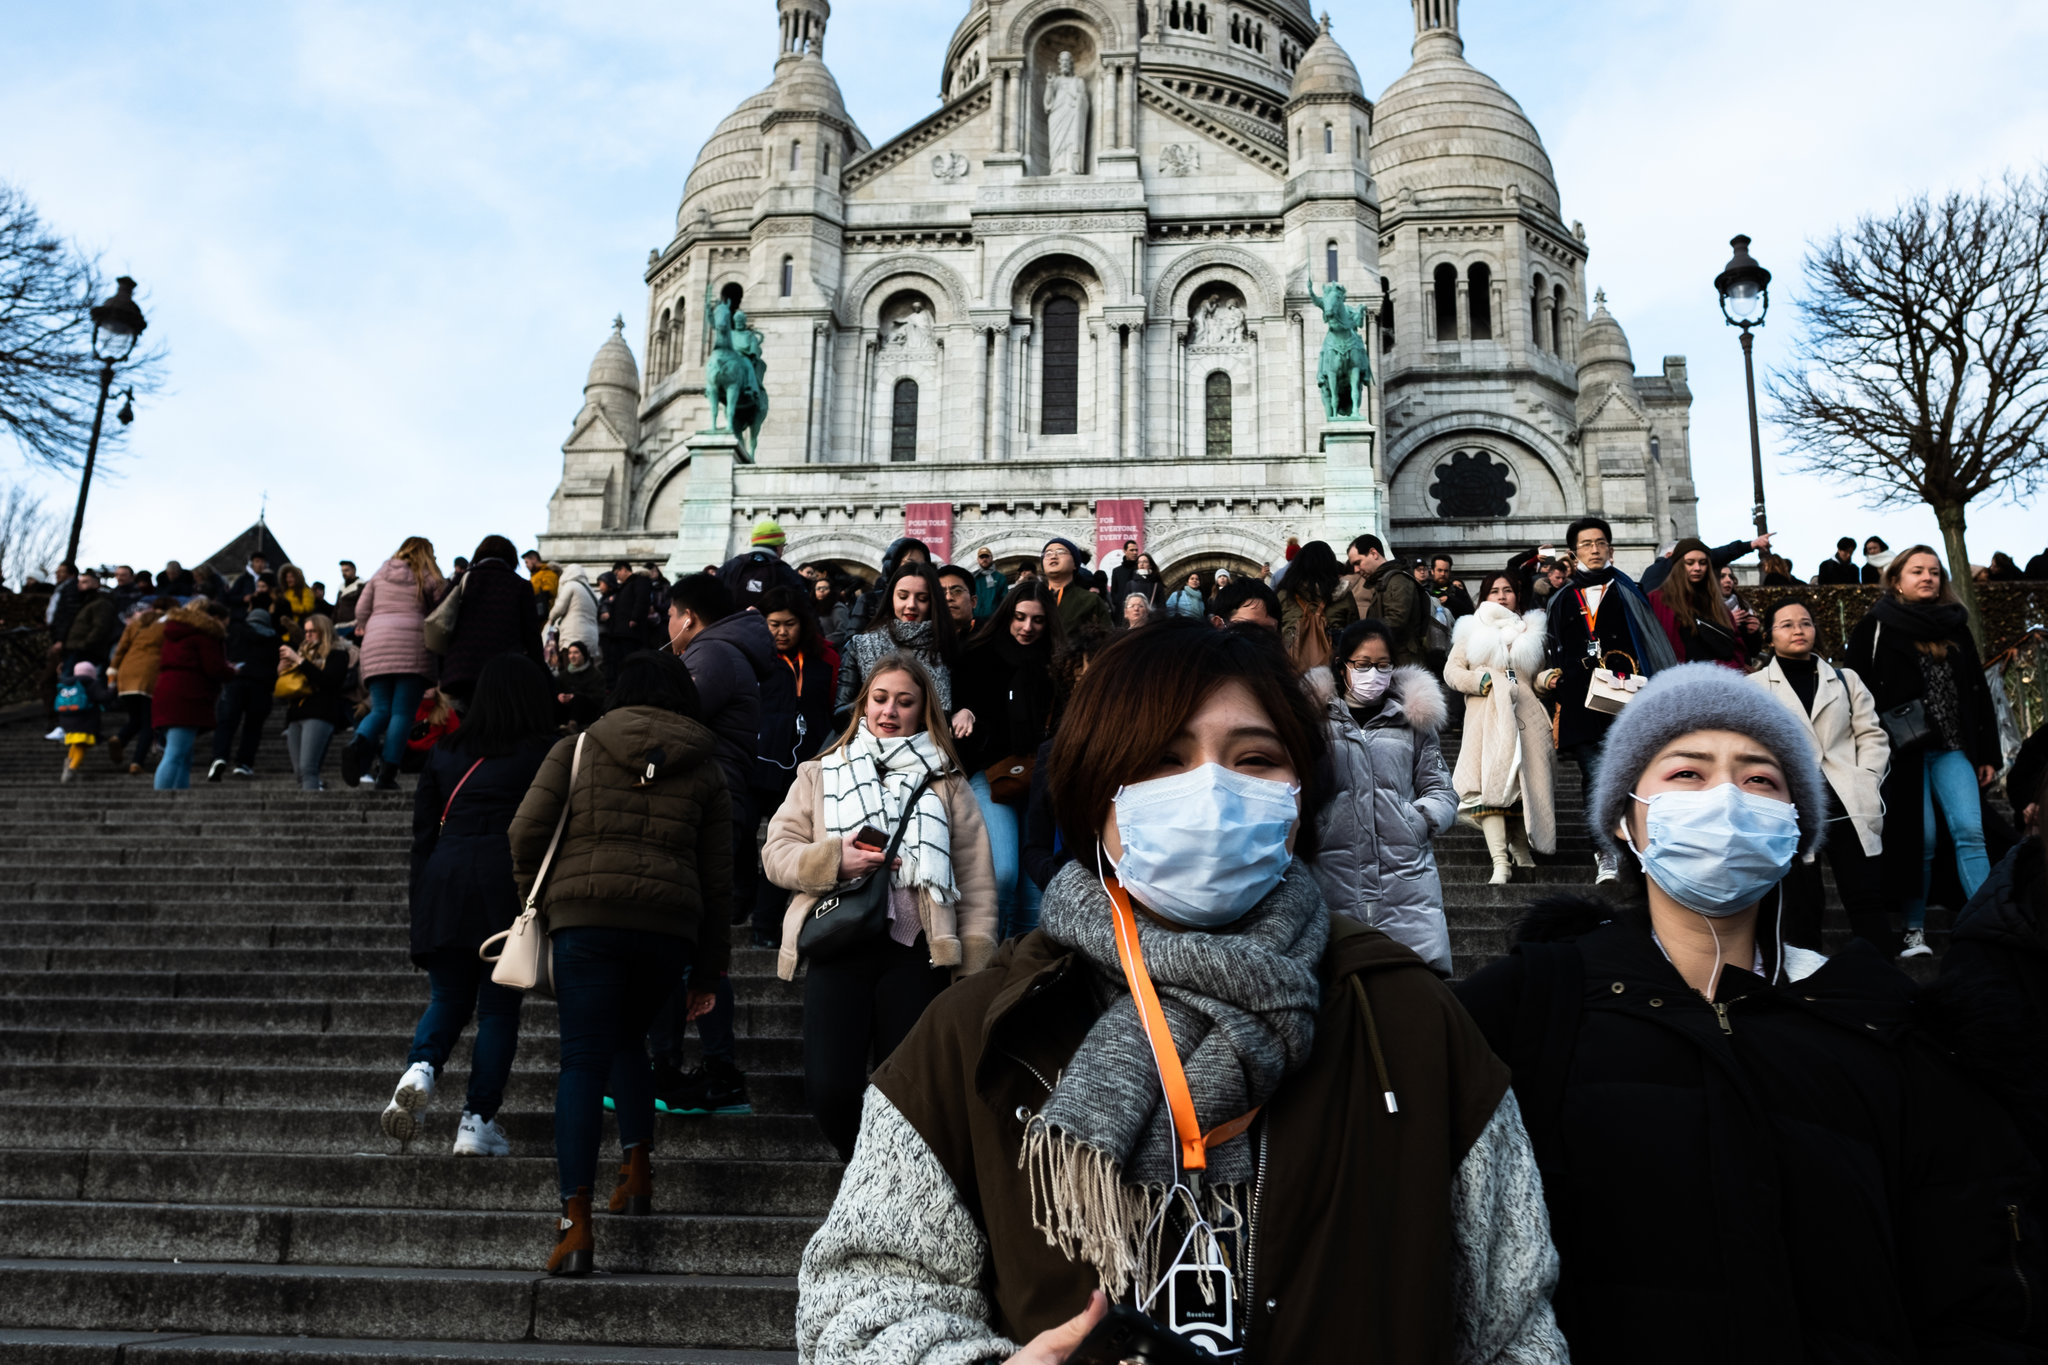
{"x":909,"y":637}
{"x":1102,"y":1152}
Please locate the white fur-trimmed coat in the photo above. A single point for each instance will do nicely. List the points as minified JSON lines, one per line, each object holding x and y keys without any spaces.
{"x":1507,"y":753}
{"x":1388,"y":798}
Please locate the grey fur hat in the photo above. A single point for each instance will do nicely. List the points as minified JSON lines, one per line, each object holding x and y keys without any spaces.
{"x":1704,"y":697}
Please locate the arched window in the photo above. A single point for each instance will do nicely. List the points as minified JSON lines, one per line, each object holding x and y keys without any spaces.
{"x":1329,"y":140}
{"x":903,"y":422}
{"x":1201,"y":18}
{"x":1300,"y":143}
{"x":1357,"y":143}
{"x":1536,"y":314}
{"x":1656,"y":449}
{"x":1216,"y":415}
{"x":796,"y":156}
{"x":1557,"y":321}
{"x":825,"y":158}
{"x":1330,"y":261}
{"x":788,"y":276}
{"x":1446,"y":297}
{"x":661,"y":345}
{"x":1061,"y":376}
{"x":733,"y":294}
{"x":1386,"y":315}
{"x":1479,"y":285}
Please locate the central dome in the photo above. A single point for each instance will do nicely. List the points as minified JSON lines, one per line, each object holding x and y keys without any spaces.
{"x":1447,"y":134}
{"x":723,"y":183}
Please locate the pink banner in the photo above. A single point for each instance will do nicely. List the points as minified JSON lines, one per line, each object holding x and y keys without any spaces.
{"x":932,"y":523}
{"x":1116,"y":521}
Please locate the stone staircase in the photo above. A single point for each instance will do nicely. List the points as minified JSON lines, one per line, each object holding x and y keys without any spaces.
{"x":207,"y":1004}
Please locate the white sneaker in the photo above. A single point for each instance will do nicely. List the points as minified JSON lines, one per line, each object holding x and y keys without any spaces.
{"x":415,"y":1090}
{"x":57,"y":733}
{"x":1916,"y":945}
{"x":481,"y":1137}
{"x":1607,"y":872}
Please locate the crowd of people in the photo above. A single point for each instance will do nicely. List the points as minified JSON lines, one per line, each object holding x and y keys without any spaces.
{"x":1114,"y":898}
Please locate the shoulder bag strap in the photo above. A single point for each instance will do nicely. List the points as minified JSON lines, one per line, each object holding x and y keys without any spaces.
{"x":449,"y":804}
{"x":561,"y":822}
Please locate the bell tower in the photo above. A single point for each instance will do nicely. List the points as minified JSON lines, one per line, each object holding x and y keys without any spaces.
{"x":803,"y":27}
{"x":1436,"y":27}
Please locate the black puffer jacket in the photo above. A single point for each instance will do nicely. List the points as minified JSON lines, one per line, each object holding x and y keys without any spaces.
{"x":639,"y":851}
{"x":496,"y":617}
{"x":727,"y":661}
{"x":461,"y":887}
{"x":1008,"y":687}
{"x":1794,"y":1175}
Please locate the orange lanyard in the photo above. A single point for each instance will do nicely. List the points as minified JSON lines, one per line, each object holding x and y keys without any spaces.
{"x":1194,"y":1143}
{"x":1592,"y":631}
{"x":798,"y":669}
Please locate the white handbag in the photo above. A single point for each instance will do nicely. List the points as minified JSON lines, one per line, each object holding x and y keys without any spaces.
{"x":526,"y":962}
{"x":1609,"y":691}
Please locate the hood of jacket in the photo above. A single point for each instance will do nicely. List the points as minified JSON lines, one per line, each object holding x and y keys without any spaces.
{"x":746,"y":631}
{"x":1413,"y":698}
{"x":1494,"y":637}
{"x":640,"y":736}
{"x":197,"y":621}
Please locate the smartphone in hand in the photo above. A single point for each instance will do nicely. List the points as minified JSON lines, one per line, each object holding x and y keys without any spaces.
{"x":871,"y":839}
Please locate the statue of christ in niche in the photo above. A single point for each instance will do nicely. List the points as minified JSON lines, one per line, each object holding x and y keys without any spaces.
{"x":1066,"y":119}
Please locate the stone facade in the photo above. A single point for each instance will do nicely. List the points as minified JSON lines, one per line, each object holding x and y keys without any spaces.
{"x":945,"y":317}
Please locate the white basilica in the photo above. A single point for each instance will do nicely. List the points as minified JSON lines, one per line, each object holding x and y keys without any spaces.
{"x":1086,"y":276}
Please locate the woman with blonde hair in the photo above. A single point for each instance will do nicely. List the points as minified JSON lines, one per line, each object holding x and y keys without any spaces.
{"x":316,"y":697}
{"x":391,"y":615}
{"x":1503,"y":778}
{"x":893,"y":765}
{"x":1914,"y":647}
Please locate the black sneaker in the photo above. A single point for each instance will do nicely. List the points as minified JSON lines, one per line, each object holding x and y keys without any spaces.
{"x":355,"y":758}
{"x":244,"y":770}
{"x":387,"y":777}
{"x":714,"y":1088}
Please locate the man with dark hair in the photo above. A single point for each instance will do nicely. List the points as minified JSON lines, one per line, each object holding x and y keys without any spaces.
{"x":546,"y":583}
{"x":1659,"y":568}
{"x":1247,"y":601}
{"x":1446,"y":589}
{"x":247,"y":583}
{"x":622,"y":613}
{"x":1382,"y":589}
{"x":1600,"y":619}
{"x":1840,"y":567}
{"x":728,"y":654}
{"x":958,"y":586}
{"x":1120,"y":576}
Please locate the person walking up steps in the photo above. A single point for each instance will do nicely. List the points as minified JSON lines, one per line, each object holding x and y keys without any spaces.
{"x":132,"y":673}
{"x":391,"y":613}
{"x":462,"y":893}
{"x":81,"y":698}
{"x":194,"y":665}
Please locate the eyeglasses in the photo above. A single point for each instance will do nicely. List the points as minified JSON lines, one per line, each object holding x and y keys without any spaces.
{"x":1600,"y":544}
{"x":1357,"y":666}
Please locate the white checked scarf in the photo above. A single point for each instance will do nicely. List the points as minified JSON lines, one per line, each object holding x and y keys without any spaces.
{"x":867,"y":782}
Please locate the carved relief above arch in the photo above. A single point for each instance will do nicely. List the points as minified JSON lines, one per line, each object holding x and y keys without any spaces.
{"x":1109,"y":29}
{"x":1108,"y":277}
{"x":861,"y":301}
{"x":1265,"y":287}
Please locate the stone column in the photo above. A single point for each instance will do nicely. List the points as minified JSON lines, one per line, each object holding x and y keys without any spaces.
{"x":1299,"y":388}
{"x":1134,"y":392}
{"x":1002,"y":111}
{"x":1020,"y":424}
{"x":1113,"y":425}
{"x":999,"y":405}
{"x":828,"y":347}
{"x":1464,"y":309}
{"x":978,"y":428}
{"x":864,"y":443}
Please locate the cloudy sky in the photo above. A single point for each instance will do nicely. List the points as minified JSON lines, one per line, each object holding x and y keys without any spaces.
{"x":381,"y":241}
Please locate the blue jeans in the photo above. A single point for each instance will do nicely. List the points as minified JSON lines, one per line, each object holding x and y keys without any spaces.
{"x":1016,"y":895}
{"x":174,"y":770}
{"x":305,"y":743}
{"x":394,"y":699}
{"x":608,"y":985}
{"x":1949,"y":778}
{"x":459,"y":985}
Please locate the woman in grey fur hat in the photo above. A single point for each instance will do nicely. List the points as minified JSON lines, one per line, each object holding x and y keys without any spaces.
{"x":1826,"y":1185}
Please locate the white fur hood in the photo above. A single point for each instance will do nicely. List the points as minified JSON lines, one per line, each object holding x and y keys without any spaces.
{"x":1494,"y":637}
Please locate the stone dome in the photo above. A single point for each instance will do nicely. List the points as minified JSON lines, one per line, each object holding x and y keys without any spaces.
{"x":804,"y":85}
{"x":725,"y":181}
{"x":614,"y":382}
{"x":1603,"y":347}
{"x":1325,"y":69}
{"x":1445,"y":133}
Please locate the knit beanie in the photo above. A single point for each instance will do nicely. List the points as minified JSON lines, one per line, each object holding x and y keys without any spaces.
{"x":767,"y":534}
{"x":1693,"y":697}
{"x":85,"y":668}
{"x":1080,"y":555}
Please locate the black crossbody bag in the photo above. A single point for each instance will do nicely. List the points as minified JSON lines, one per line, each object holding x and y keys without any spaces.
{"x":857,"y":913}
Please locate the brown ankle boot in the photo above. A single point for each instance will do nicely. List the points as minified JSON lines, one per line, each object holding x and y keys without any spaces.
{"x":573,"y":1253}
{"x":634,"y":1196}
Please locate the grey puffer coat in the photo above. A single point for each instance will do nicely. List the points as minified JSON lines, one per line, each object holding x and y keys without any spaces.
{"x":1388,"y":797}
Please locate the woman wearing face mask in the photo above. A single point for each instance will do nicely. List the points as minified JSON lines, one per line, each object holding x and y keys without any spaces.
{"x":1503,"y":779}
{"x":1915,"y":645}
{"x":913,"y":620}
{"x":1389,"y":796}
{"x":1841,"y":715}
{"x":942,"y":914}
{"x":1017,"y":1149}
{"x":1747,"y":1149}
{"x":1690,"y":605}
{"x":1005,"y":679}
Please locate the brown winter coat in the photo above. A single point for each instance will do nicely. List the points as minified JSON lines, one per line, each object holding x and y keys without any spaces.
{"x":635,"y":854}
{"x":1507,"y":732}
{"x":802,"y":856}
{"x":1351,"y":1246}
{"x":139,"y":654}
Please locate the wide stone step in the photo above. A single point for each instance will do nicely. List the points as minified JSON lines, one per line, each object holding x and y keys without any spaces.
{"x":661,"y":1244}
{"x":39,"y":1347}
{"x":426,"y":1178}
{"x":388,"y":937}
{"x":359,"y":1301}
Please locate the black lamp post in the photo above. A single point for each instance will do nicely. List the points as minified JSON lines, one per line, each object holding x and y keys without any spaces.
{"x":1745,"y":290}
{"x":116,"y":326}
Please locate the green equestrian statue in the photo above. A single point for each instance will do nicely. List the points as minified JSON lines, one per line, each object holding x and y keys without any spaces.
{"x":1345,"y":369}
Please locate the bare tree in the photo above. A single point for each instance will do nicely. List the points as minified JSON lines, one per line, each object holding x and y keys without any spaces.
{"x":1923,"y":371}
{"x":49,"y":381}
{"x":29,"y":537}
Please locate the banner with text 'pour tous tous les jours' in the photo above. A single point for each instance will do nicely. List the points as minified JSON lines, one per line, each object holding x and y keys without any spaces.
{"x":932,"y":523}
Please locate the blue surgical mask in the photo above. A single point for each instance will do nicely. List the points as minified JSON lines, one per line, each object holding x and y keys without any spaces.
{"x":1204,"y":846}
{"x":1716,"y":852}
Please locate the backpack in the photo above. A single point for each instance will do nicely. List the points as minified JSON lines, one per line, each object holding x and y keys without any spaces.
{"x":1437,"y":628}
{"x":72,"y":698}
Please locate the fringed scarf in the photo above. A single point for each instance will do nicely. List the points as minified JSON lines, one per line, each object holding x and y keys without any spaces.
{"x":1101,"y":1154}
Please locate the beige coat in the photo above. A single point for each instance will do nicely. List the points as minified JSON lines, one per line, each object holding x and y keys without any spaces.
{"x":802,"y":856}
{"x":1854,"y":752}
{"x":1506,"y":756}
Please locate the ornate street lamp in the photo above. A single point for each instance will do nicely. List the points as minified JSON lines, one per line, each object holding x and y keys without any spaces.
{"x":1745,"y":290}
{"x":117,"y":325}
